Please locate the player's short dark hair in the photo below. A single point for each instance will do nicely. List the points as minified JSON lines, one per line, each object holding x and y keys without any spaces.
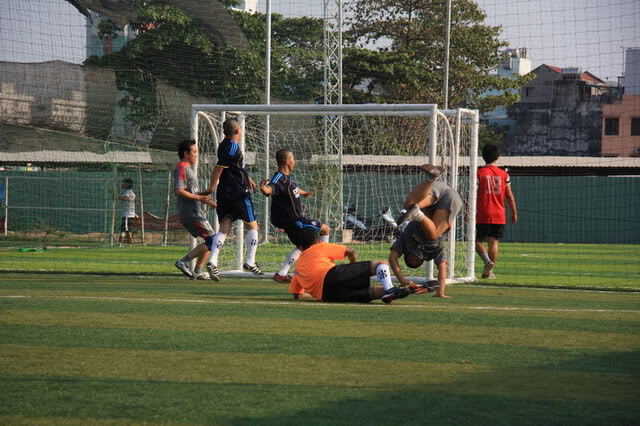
{"x":230,"y":126}
{"x":490,"y":153}
{"x":281,"y":156}
{"x":127,"y":182}
{"x":306,"y":238}
{"x":412,"y":261}
{"x":184,"y":147}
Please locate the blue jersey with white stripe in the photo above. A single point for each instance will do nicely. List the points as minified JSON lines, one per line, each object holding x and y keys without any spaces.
{"x":234,"y":181}
{"x":286,"y":207}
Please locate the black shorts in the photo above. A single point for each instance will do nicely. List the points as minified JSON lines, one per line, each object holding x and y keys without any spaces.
{"x":348,"y":282}
{"x":295,"y":229}
{"x":241,"y":208}
{"x":125,"y":225}
{"x":486,"y":230}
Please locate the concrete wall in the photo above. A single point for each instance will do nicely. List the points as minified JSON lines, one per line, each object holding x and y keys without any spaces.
{"x":569,"y":124}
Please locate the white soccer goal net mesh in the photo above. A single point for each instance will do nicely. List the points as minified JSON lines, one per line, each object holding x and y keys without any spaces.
{"x":355,"y":178}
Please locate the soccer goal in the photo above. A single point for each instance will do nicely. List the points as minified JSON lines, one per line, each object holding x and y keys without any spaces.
{"x":360,"y":161}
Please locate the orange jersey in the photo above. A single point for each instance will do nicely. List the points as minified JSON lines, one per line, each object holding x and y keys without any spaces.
{"x":312,"y":266}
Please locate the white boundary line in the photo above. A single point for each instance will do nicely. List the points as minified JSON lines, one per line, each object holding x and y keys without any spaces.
{"x":318,"y":304}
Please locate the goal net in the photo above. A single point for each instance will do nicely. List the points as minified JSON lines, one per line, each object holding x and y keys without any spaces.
{"x":360,"y":162}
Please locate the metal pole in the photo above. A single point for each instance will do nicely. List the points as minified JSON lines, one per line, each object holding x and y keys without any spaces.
{"x":114,"y":197}
{"x":473,"y":182}
{"x":240,"y":226}
{"x":267,"y":124}
{"x":6,"y":205}
{"x":166,"y":211}
{"x":446,"y":57}
{"x":141,"y":206}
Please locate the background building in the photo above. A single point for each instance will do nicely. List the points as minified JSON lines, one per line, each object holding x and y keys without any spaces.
{"x":621,"y":120}
{"x":559,"y":113}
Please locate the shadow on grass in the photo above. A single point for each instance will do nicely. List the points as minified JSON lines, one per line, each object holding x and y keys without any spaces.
{"x":510,"y":396}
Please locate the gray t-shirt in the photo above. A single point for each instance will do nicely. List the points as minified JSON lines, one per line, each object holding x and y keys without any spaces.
{"x":413,"y":241}
{"x":128,"y":205}
{"x":445,"y":198}
{"x":188,"y":210}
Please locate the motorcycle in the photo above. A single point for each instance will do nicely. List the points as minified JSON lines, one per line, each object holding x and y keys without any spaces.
{"x":384,"y":228}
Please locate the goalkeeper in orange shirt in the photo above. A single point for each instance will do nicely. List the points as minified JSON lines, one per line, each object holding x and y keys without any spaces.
{"x":319,"y":277}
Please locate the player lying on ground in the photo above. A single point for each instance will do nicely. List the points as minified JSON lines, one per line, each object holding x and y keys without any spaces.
{"x":318,"y":276}
{"x":432,"y":208}
{"x":286,"y":209}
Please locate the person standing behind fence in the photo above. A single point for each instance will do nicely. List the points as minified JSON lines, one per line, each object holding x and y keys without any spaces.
{"x":128,"y":203}
{"x":494,"y":185}
{"x":232,"y":185}
{"x":192,"y":215}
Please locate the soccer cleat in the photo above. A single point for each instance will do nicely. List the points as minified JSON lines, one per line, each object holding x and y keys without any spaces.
{"x":414,"y":214}
{"x":214,"y":272}
{"x":492,"y":276}
{"x":395,"y":293}
{"x":282,"y":278}
{"x":184,"y":268}
{"x":428,"y":287}
{"x":254,"y":269}
{"x":488,"y":270}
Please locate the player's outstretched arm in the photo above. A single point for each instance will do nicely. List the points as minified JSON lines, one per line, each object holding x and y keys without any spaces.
{"x":395,"y":267}
{"x":442,"y":280}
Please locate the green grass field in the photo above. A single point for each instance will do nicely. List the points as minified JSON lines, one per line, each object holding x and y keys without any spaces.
{"x":157,"y":348}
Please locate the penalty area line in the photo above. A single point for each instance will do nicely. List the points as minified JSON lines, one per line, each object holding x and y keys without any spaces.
{"x":319,"y":304}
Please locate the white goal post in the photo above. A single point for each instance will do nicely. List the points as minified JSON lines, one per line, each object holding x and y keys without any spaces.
{"x":371,"y":164}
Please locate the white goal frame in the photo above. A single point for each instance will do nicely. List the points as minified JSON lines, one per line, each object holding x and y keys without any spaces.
{"x":471,"y":117}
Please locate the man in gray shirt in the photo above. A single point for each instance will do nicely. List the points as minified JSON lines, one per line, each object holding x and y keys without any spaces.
{"x":190,"y":210}
{"x":432,"y":207}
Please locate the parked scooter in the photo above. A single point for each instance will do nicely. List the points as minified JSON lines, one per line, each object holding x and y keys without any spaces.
{"x":384,"y":228}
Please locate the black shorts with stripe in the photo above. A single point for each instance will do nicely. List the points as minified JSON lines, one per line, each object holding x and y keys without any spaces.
{"x":239,"y":208}
{"x":294,"y":229}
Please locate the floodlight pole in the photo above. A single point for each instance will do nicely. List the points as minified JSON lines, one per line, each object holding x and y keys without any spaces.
{"x":445,"y":89}
{"x":267,"y":119}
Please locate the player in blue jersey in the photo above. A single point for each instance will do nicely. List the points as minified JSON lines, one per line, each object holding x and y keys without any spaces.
{"x":286,"y":210}
{"x":232,"y":186}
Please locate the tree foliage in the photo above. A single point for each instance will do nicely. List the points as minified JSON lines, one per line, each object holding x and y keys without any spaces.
{"x":171,"y":47}
{"x":407,"y":60}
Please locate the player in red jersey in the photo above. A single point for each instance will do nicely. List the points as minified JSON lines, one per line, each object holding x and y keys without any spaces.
{"x":494,"y":186}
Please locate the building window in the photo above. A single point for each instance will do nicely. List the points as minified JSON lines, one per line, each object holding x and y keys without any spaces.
{"x":635,"y":126}
{"x":611,"y":126}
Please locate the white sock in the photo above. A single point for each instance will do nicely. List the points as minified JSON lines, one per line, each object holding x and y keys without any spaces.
{"x":485,"y":257}
{"x":384,"y":276}
{"x":289,"y":261}
{"x":324,"y":238}
{"x":251,"y":241}
{"x":218,"y":241}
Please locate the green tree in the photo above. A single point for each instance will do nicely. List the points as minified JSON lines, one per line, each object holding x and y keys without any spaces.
{"x":171,"y":47}
{"x":407,"y":62}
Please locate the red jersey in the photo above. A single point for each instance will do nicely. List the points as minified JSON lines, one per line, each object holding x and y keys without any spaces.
{"x":492,"y":189}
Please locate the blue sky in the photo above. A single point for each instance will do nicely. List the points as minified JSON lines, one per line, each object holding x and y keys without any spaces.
{"x":589,"y":34}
